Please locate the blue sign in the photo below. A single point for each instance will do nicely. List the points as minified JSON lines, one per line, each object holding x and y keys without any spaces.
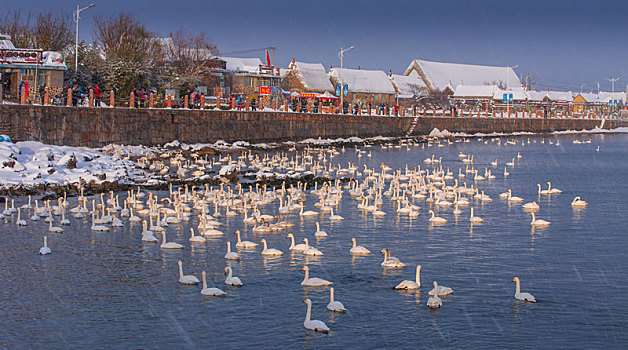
{"x":505,"y":98}
{"x":275,"y":90}
{"x":510,"y":98}
{"x":345,"y":90}
{"x":337,"y":89}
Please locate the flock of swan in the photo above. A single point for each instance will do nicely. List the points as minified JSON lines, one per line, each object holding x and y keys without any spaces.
{"x":432,"y":186}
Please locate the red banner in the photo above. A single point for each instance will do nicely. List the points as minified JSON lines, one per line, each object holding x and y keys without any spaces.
{"x":264,"y":90}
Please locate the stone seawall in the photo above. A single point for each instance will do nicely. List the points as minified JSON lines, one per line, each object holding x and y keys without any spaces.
{"x":95,"y":127}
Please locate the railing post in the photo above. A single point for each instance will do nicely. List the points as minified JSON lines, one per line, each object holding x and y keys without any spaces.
{"x":202,"y":101}
{"x":185,"y":102}
{"x":112,"y":98}
{"x":69,"y":98}
{"x":151,"y":100}
{"x":132,"y":100}
{"x":46,"y":96}
{"x":90,"y":102}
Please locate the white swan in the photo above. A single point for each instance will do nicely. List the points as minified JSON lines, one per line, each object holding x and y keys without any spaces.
{"x":295,"y":247}
{"x":314,"y":281}
{"x":270,"y":251}
{"x":147,"y":236}
{"x":307,"y":212}
{"x":196,"y":239}
{"x":358,"y":249}
{"x":54,"y":229}
{"x":311,"y":250}
{"x":442,"y":290}
{"x":391,"y":261}
{"x":542,"y":191}
{"x":22,"y":222}
{"x":538,"y":222}
{"x":334,"y":305}
{"x":186,"y":279}
{"x":475,"y":219}
{"x":333,"y":217}
{"x":318,"y":232}
{"x":314,"y":325}
{"x":531,"y":206}
{"x":231,"y":255}
{"x":416,"y":284}
{"x":45,"y":250}
{"x":512,"y":198}
{"x":244,"y":244}
{"x":522,"y":296}
{"x":231,"y":280}
{"x":436,"y":219}
{"x":552,"y":190}
{"x":214,"y":292}
{"x":577,"y":202}
{"x":434,"y":301}
{"x":95,"y":227}
{"x":169,"y":245}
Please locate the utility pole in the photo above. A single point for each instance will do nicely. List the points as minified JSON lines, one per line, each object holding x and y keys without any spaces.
{"x":341,"y":54}
{"x":613,"y":80}
{"x":508,"y":89}
{"x":76,"y":18}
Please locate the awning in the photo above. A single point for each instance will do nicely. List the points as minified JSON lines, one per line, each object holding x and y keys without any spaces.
{"x":327,"y":96}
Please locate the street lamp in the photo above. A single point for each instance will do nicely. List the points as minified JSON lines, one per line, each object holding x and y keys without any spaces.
{"x":613,"y":80}
{"x":508,"y":89}
{"x":76,"y":18}
{"x":341,"y":54}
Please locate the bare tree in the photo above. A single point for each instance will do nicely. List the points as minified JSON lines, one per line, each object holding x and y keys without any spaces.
{"x":17,"y":25}
{"x":52,"y":32}
{"x":186,"y":57}
{"x":424,"y":97}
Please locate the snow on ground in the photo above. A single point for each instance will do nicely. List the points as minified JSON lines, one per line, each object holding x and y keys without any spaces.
{"x":33,"y":163}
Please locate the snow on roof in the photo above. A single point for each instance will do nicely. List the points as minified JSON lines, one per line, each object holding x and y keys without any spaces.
{"x":5,"y":42}
{"x":406,"y":85}
{"x":475,"y":91}
{"x":566,"y":96}
{"x":313,"y":76}
{"x":250,"y":65}
{"x":605,"y":97}
{"x":588,"y":96}
{"x":439,"y":74}
{"x":517,"y":94}
{"x":359,"y":80}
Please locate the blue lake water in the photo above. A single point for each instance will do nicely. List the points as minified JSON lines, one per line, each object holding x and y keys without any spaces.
{"x":109,"y":289}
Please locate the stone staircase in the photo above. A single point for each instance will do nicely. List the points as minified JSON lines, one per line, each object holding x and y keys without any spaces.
{"x":415,"y":121}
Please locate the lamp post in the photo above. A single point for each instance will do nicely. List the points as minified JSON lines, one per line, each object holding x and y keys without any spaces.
{"x":76,"y":18}
{"x":341,"y":54}
{"x":508,"y":89}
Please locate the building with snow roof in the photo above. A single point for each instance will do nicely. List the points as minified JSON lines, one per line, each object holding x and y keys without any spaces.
{"x":306,"y":77}
{"x":34,"y":67}
{"x":372,"y":86}
{"x":249,"y":76}
{"x":439,"y":76}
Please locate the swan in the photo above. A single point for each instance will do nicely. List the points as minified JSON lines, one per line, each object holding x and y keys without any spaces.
{"x":45,"y":250}
{"x":358,"y":249}
{"x":436,"y":219}
{"x":194,"y":238}
{"x":538,"y":222}
{"x":54,"y":229}
{"x":416,"y":284}
{"x":434,"y":302}
{"x":212,"y":233}
{"x":552,"y":190}
{"x":522,"y":296}
{"x":318,"y":232}
{"x":391,"y":261}
{"x":314,"y":325}
{"x":442,"y":290}
{"x":214,"y":292}
{"x":133,"y":218}
{"x":147,"y":236}
{"x":531,"y":206}
{"x":295,"y":247}
{"x":494,"y":163}
{"x":244,"y":244}
{"x":311,"y":250}
{"x":333,"y":217}
{"x":270,"y":251}
{"x":334,"y":305}
{"x":187,"y":279}
{"x":314,"y":281}
{"x":169,"y":245}
{"x":577,"y":202}
{"x":307,"y":212}
{"x":230,"y":280}
{"x":506,"y":173}
{"x":95,"y":227}
{"x":22,"y":222}
{"x":542,"y":191}
{"x":512,"y":198}
{"x":475,"y":219}
{"x":231,"y":255}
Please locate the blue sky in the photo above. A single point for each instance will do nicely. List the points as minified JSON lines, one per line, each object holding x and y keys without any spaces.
{"x":562,"y":44}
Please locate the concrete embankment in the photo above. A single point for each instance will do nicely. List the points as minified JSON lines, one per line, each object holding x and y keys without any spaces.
{"x":95,"y":127}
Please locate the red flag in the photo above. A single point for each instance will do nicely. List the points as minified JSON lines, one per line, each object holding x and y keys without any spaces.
{"x":267,"y":59}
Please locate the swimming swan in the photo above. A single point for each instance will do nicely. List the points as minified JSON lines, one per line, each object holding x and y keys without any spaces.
{"x":334,"y":305}
{"x":244,"y":244}
{"x":538,"y":222}
{"x":215,"y":292}
{"x":187,"y":279}
{"x":314,"y":325}
{"x":295,"y":247}
{"x":231,"y":255}
{"x":416,"y":284}
{"x":522,"y":296}
{"x":270,"y":251}
{"x":436,"y":219}
{"x":358,"y":249}
{"x":45,"y":250}
{"x":314,"y":281}
{"x":475,"y":219}
{"x":434,"y":301}
{"x":231,"y":280}
{"x":577,"y":202}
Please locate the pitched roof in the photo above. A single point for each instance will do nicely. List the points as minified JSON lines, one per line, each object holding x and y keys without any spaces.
{"x":250,"y":65}
{"x":475,"y":91}
{"x":406,"y":85}
{"x":312,"y":75}
{"x":359,"y":80}
{"x":438,"y":74}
